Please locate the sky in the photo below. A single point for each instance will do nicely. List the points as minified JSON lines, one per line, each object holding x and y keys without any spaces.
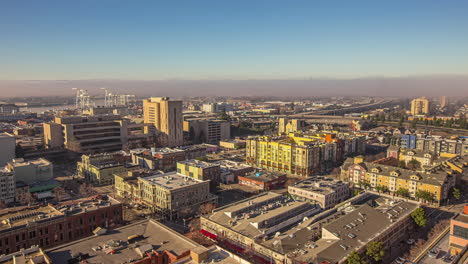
{"x":231,"y":40}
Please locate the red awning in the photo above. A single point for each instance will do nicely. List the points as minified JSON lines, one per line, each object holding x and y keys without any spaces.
{"x":208,"y":234}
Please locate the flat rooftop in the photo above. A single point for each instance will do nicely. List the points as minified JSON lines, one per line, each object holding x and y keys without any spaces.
{"x":86,"y":204}
{"x":198,"y":163}
{"x":232,"y":165}
{"x":264,"y":176}
{"x":20,"y":216}
{"x":16,"y":217}
{"x":172,"y":180}
{"x":461,"y":218}
{"x":353,"y":231}
{"x":166,"y":150}
{"x":319,"y":184}
{"x":154,"y":236}
{"x":21,"y":162}
{"x":251,"y":217}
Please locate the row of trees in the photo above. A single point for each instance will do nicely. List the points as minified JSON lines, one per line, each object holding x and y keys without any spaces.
{"x":460,"y":122}
{"x":375,"y":251}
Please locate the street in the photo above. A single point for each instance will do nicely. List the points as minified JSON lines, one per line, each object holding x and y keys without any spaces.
{"x":443,"y":245}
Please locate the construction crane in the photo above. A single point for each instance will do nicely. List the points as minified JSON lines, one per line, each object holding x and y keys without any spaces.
{"x":83,"y":100}
{"x":111,"y":99}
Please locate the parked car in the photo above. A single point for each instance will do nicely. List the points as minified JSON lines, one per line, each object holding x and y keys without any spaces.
{"x":448,"y":258}
{"x":433,"y":253}
{"x":400,"y":260}
{"x":410,"y":241}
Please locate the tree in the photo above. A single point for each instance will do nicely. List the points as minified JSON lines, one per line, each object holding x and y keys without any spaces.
{"x":375,"y":250}
{"x":86,"y":189}
{"x":419,"y":217}
{"x":207,"y":208}
{"x":202,"y":158}
{"x":58,"y":193}
{"x":354,"y":258}
{"x":364,"y":185}
{"x":224,"y":115}
{"x":403,"y":192}
{"x":290,"y":182}
{"x":456,"y":193}
{"x":414,"y":164}
{"x":424,"y":195}
{"x":381,"y":188}
{"x":402,"y":164}
{"x":27,"y":198}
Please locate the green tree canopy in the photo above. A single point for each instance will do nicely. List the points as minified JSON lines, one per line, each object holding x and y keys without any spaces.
{"x":354,"y":258}
{"x":419,"y":217}
{"x":456,"y":193}
{"x":424,"y":195}
{"x":403,"y":192}
{"x":375,"y":250}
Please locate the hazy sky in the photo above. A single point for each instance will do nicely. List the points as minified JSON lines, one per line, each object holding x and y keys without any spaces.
{"x":202,"y":39}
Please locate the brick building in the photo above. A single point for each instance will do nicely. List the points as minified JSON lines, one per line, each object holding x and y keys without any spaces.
{"x":49,"y":226}
{"x":264,"y":180}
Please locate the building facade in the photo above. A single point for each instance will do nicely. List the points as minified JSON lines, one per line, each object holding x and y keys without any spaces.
{"x":31,"y":171}
{"x":420,"y":106}
{"x":280,"y":155}
{"x":7,"y":187}
{"x":99,"y":169}
{"x":8,"y":143}
{"x":326,"y":192}
{"x":87,"y":134}
{"x":169,"y":195}
{"x":207,"y":130}
{"x":263,"y":181}
{"x":200,"y":170}
{"x":50,"y":226}
{"x":458,"y":240}
{"x":166,"y":116}
{"x":435,"y":180}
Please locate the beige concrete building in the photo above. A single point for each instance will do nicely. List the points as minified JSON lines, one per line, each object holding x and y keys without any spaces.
{"x":200,"y":170}
{"x":326,"y":192}
{"x":8,"y":145}
{"x":443,"y":101}
{"x":87,"y":134}
{"x":7,"y":187}
{"x":99,"y":169}
{"x":420,"y":106}
{"x":207,"y":130}
{"x":233,"y":144}
{"x":170,"y":194}
{"x":32,"y":170}
{"x":166,"y":115}
{"x":286,"y":125}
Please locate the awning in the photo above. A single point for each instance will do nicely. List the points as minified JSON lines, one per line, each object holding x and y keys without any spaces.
{"x":208,"y":234}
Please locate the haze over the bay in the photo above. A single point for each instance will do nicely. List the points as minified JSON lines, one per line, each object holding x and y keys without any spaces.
{"x":456,"y":85}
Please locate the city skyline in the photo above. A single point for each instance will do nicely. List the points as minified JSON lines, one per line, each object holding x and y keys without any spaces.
{"x":83,"y":40}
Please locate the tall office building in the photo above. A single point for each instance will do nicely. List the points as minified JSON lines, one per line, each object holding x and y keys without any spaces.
{"x":166,"y":115}
{"x":443,"y":101}
{"x":8,"y":144}
{"x":420,"y":106}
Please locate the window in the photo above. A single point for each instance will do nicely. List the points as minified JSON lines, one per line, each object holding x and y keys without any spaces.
{"x":460,"y":231}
